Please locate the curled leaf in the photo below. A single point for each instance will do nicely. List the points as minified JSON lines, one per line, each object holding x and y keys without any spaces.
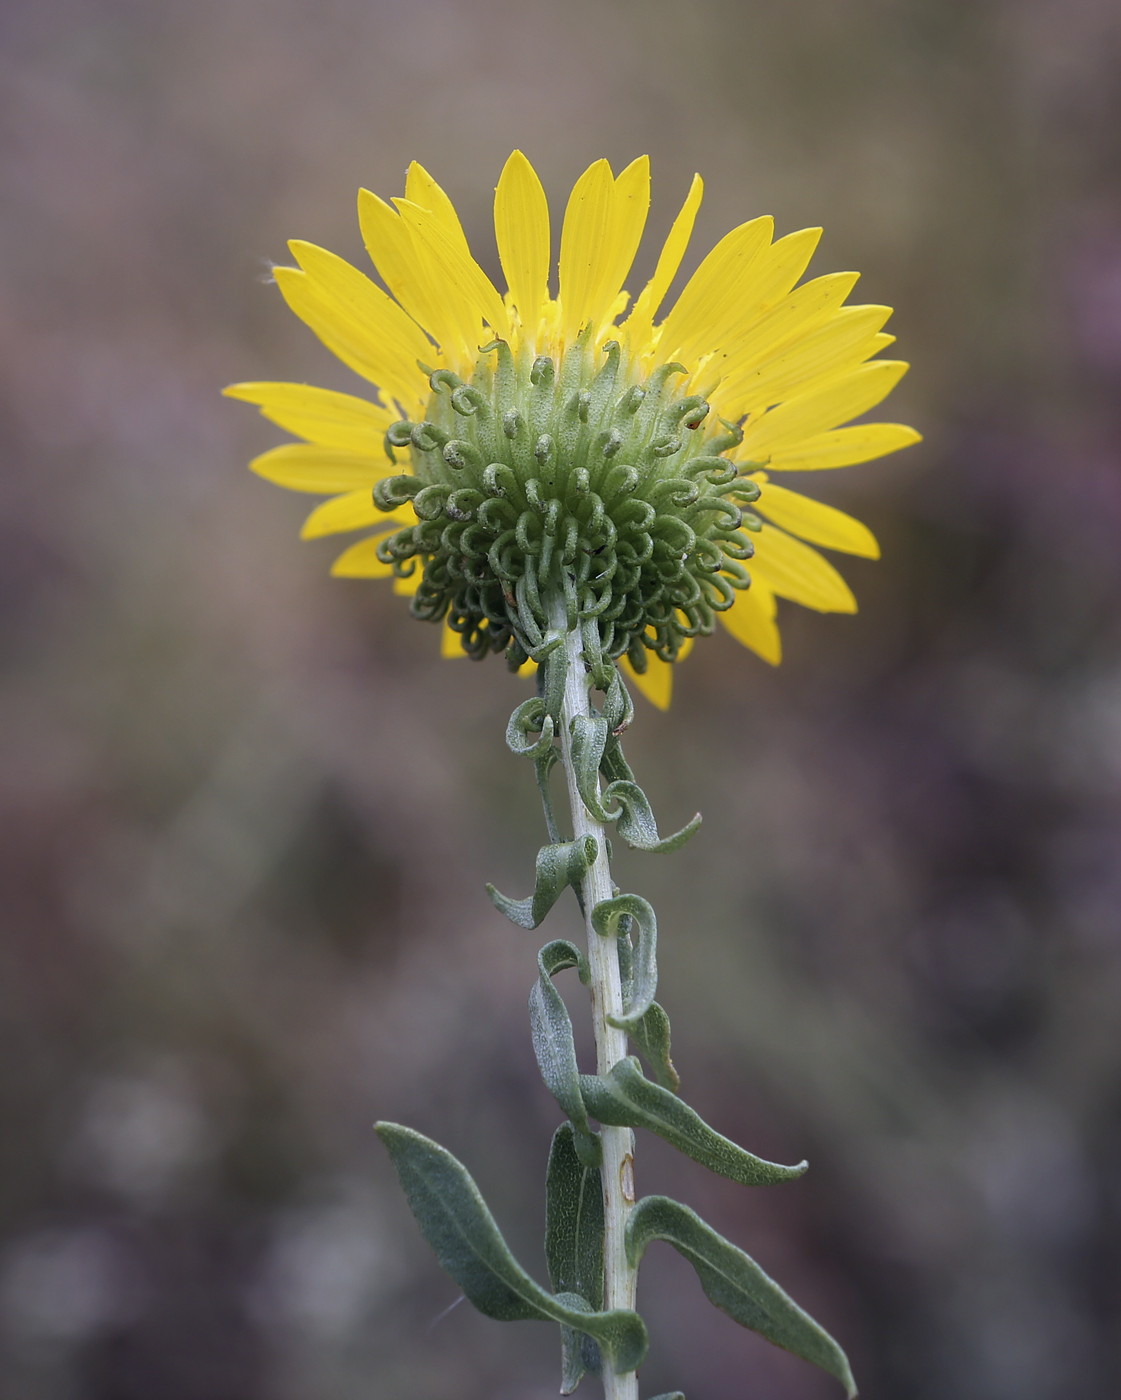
{"x":637,"y":826}
{"x":606,"y":917}
{"x":530,"y":719}
{"x":624,"y":1098}
{"x":558,"y":865}
{"x":589,"y":736}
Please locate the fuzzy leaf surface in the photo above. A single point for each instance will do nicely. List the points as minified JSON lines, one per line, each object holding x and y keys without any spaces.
{"x":455,"y":1221}
{"x":652,"y":1039}
{"x":636,"y":824}
{"x":574,"y":1247}
{"x":558,"y":865}
{"x":735,"y":1283}
{"x":551,"y":1030}
{"x":624,"y":1098}
{"x":643,"y":969}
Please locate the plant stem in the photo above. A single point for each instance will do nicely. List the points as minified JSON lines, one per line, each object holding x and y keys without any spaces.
{"x":620,"y":1279}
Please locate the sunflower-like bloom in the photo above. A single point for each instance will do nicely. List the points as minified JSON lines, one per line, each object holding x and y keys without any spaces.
{"x":529,"y":446}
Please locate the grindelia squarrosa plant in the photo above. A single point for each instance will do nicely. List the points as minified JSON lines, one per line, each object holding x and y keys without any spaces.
{"x":587,"y":485}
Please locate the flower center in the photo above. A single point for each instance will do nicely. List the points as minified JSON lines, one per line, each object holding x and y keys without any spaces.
{"x":572,"y":478}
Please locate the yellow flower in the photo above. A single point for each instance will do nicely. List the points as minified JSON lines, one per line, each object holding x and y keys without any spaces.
{"x":558,"y":442}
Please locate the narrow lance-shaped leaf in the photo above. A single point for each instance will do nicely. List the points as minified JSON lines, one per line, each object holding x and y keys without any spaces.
{"x":606,"y":917}
{"x":455,"y":1221}
{"x":735,"y":1283}
{"x":558,"y":865}
{"x":624,"y":1098}
{"x":636,"y":824}
{"x":652,"y":1039}
{"x":551,"y":1030}
{"x":574,"y":1247}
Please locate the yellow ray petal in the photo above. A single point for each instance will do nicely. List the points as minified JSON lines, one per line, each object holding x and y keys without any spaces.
{"x":824,"y":406}
{"x":585,"y":237}
{"x":751,"y":620}
{"x":768,"y":280}
{"x":421,"y":189}
{"x":521,"y":227}
{"x":390,"y":246}
{"x":828,"y":349}
{"x":354,"y":511}
{"x":844,"y":447}
{"x":813,"y":521}
{"x":361,"y":560}
{"x":793,"y":570}
{"x":320,"y":415}
{"x":705,"y":296}
{"x":657,"y":681}
{"x":356,"y":320}
{"x":669,"y":260}
{"x":301,"y":466}
{"x":460,"y":324}
{"x":632,"y":204}
{"x":797,"y":314}
{"x":458,"y":269}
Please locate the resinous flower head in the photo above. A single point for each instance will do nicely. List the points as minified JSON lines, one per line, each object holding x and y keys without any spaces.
{"x":529,"y":446}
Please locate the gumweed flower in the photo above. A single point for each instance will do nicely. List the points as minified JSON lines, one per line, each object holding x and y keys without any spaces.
{"x":527,"y":443}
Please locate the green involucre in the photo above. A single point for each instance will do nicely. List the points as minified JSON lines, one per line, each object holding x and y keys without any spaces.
{"x":534,"y":476}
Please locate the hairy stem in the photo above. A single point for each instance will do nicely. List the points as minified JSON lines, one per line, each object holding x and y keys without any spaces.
{"x":607,"y":1000}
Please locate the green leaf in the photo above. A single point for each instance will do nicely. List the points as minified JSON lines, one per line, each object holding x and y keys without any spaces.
{"x":574,"y":1246}
{"x":528,"y":719}
{"x":589,"y":736}
{"x":606,"y":917}
{"x":671,"y":1395}
{"x":624,"y":1098}
{"x":735,"y":1283}
{"x":651,"y":1036}
{"x":554,"y":672}
{"x":543,"y":766}
{"x":558,"y":865}
{"x":551,"y":1030}
{"x":618,"y":707}
{"x":637,"y":826}
{"x":455,"y":1221}
{"x":613,"y":765}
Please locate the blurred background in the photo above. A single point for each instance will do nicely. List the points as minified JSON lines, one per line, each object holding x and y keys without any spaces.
{"x":247,"y":812}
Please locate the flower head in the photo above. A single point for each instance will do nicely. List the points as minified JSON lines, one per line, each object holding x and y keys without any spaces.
{"x":528,"y":446}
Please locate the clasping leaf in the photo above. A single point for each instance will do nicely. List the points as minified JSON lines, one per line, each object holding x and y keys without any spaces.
{"x":735,"y":1283}
{"x":624,"y":1098}
{"x":558,"y":865}
{"x":606,"y":917}
{"x":636,"y":824}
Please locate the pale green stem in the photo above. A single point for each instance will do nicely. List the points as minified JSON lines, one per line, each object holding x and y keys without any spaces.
{"x":606,"y":988}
